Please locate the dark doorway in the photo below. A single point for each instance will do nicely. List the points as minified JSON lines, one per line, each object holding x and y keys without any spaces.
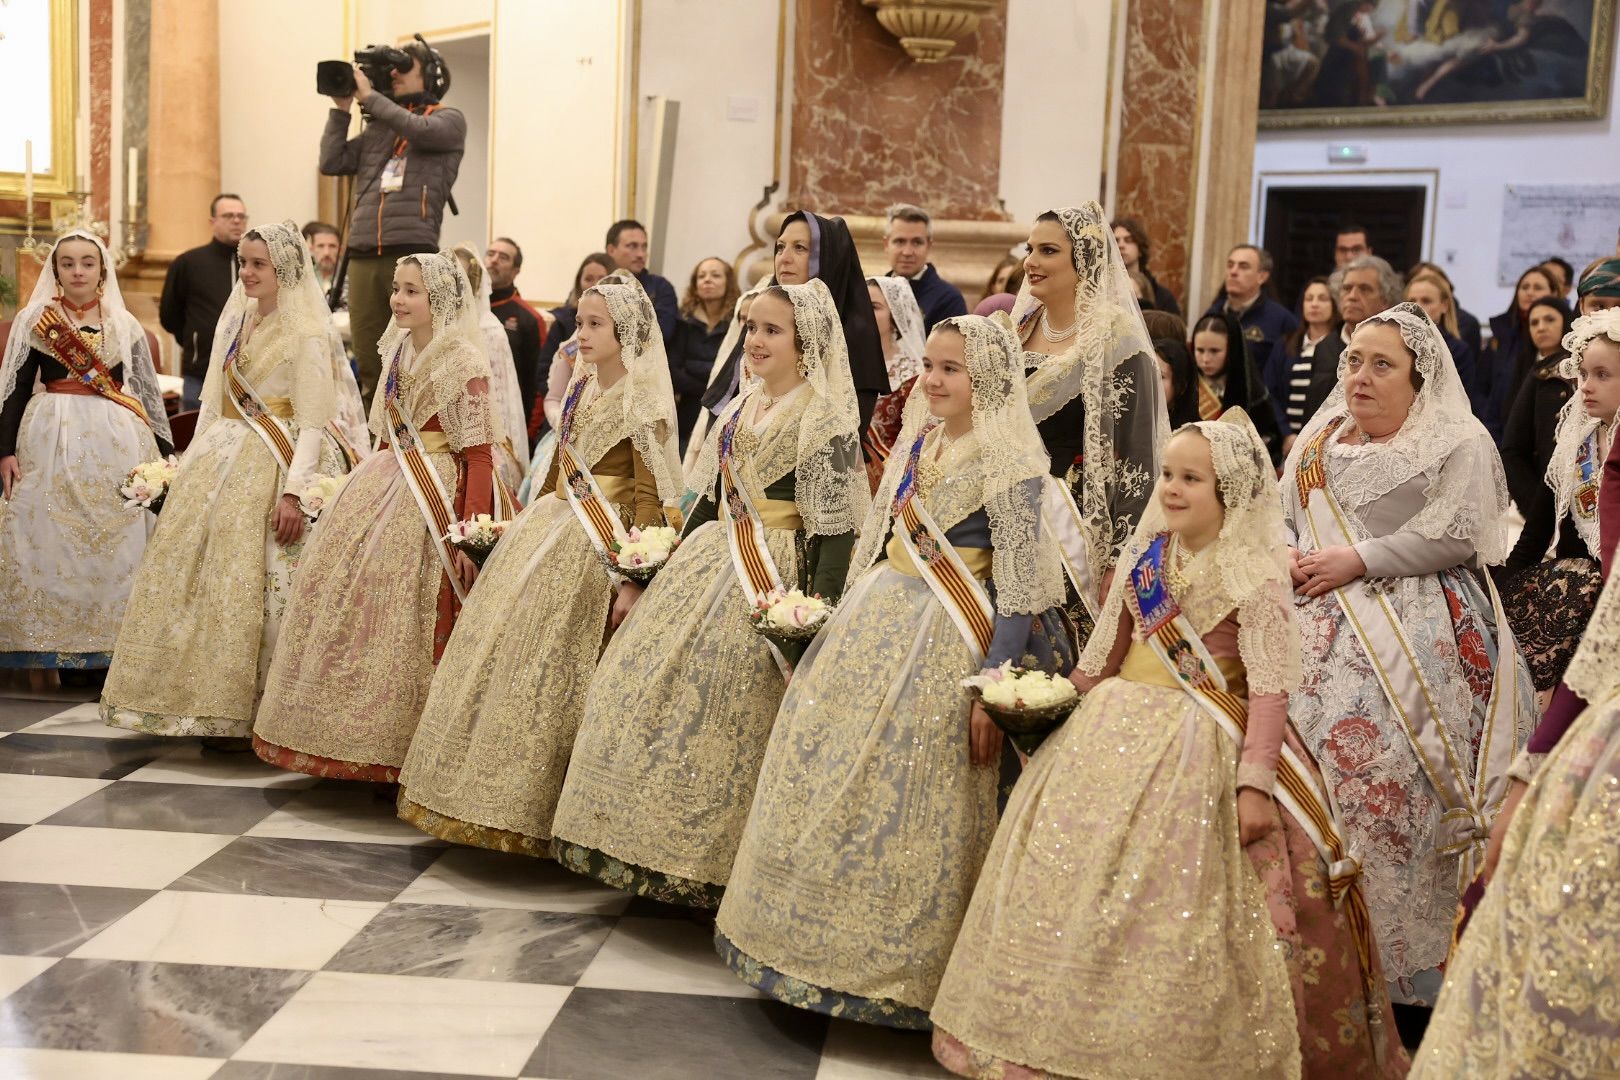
{"x":1301,"y":222}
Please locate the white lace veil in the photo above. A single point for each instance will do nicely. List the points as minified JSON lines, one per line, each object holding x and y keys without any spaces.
{"x":1466,"y":494}
{"x":1574,"y":426}
{"x":705,"y":420}
{"x":907,"y":318}
{"x":649,"y":396}
{"x":497,"y":346}
{"x":1110,"y":365}
{"x":1005,"y":450}
{"x":830,"y":485}
{"x":301,"y":317}
{"x":123,"y":339}
{"x":452,"y":359}
{"x":1245,"y":570}
{"x":1594,"y":673}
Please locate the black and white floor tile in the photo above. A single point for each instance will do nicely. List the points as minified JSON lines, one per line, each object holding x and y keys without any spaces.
{"x":174,"y":913}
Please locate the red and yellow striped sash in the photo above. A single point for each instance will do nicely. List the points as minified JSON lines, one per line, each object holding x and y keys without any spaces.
{"x":1209,"y":402}
{"x":960,"y":591}
{"x":262,"y":420}
{"x":600,"y":519}
{"x":75,"y":353}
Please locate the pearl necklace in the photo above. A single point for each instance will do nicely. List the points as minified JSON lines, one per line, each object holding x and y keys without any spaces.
{"x":1057,"y":335}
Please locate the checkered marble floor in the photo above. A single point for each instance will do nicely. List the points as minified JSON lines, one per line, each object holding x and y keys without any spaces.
{"x":173,"y":913}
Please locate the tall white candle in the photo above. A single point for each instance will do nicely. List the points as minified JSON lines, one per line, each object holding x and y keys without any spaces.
{"x":133,"y":187}
{"x":28,"y":170}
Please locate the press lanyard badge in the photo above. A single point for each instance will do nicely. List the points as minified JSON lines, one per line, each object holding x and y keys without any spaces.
{"x":393,"y":176}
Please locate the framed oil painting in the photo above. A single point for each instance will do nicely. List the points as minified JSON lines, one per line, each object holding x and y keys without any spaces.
{"x":1343,"y":63}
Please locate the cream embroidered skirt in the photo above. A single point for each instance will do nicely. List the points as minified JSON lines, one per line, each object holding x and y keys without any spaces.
{"x":68,"y":548}
{"x":355,"y":659}
{"x":676,"y":723}
{"x":487,"y":763}
{"x":204,"y":613}
{"x":869,"y":822}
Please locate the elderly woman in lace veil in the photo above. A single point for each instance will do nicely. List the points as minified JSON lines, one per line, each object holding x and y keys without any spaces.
{"x":1094,"y":391}
{"x":1171,"y":761}
{"x":487,"y":763}
{"x":681,"y":706}
{"x":900,"y":329}
{"x":204,"y":614}
{"x":68,"y":547}
{"x":877,"y":797}
{"x":1529,"y":989}
{"x":381,"y":587}
{"x":511,"y":455}
{"x":1414,"y":697}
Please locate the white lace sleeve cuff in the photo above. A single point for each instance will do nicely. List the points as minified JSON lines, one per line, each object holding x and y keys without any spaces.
{"x":1252,"y":775}
{"x":1525,"y":766}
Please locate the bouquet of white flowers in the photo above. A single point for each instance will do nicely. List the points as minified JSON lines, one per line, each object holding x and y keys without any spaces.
{"x":643,"y":552}
{"x":787,"y":616}
{"x":476,"y":537}
{"x":147,"y":484}
{"x":319,"y":495}
{"x":1023,"y":702}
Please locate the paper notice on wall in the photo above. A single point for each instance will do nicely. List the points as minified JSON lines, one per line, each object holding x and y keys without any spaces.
{"x":1576,"y":222}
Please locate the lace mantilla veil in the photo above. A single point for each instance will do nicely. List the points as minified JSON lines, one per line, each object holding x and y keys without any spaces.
{"x":1574,"y":426}
{"x":830,"y":485}
{"x":1006,"y":450}
{"x":1244,"y":571}
{"x":907,"y":318}
{"x":123,"y":337}
{"x":453,"y":359}
{"x":1594,"y":673}
{"x":301,"y":321}
{"x":1110,"y":366}
{"x":732,"y":341}
{"x":1466,"y":494}
{"x":649,"y":396}
{"x":497,"y":347}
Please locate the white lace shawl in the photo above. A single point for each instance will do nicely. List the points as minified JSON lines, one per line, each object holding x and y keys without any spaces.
{"x":907,"y":319}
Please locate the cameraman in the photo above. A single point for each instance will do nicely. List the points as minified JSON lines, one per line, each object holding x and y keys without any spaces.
{"x":404,"y":162}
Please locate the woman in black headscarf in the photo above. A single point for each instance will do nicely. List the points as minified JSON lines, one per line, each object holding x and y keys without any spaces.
{"x":811,"y":246}
{"x":1227,"y":378}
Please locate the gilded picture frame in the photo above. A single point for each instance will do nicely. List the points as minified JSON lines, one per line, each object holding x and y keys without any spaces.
{"x":1355,"y":63}
{"x":53,"y":43}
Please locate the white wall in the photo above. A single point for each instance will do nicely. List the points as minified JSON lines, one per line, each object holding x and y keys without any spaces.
{"x":1475,"y":164}
{"x":468,"y":60}
{"x":554,"y":134}
{"x":1055,"y":105}
{"x":270,"y":116}
{"x":702,"y":53}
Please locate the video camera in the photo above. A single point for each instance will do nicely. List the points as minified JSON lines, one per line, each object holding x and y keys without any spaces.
{"x":335,"y":78}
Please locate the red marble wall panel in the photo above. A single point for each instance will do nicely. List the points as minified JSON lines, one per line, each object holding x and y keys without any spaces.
{"x":872,"y":127}
{"x":101,"y":108}
{"x":1157,"y":171}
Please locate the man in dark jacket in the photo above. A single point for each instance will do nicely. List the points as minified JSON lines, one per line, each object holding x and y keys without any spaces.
{"x":1263,"y":320}
{"x":404,"y":162}
{"x":525,"y":328}
{"x":627,"y":247}
{"x":196,"y":288}
{"x":1362,"y":288}
{"x":908,"y":238}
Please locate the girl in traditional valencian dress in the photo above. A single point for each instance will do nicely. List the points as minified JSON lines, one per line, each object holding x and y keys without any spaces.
{"x":380,"y":587}
{"x":1119,"y":928}
{"x":487,"y":763}
{"x":512,"y":454}
{"x":681,"y":706}
{"x":202,"y":620}
{"x":900,"y":330}
{"x":877,"y":798}
{"x":68,"y":547}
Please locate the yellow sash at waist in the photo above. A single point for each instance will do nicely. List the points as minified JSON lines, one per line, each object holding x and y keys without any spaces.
{"x":1142,"y":666}
{"x":279,"y":407}
{"x":435,"y":442}
{"x":977,"y":560}
{"x":618,"y":490}
{"x":779,"y":514}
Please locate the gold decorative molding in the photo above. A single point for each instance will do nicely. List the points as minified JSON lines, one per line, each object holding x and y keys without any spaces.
{"x":930,"y":29}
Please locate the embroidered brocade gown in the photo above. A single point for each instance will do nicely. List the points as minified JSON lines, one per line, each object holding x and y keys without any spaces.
{"x":1117,"y":890}
{"x":68,"y":547}
{"x":1390,"y":809}
{"x":204,"y":614}
{"x":869,"y":821}
{"x":682,"y":702}
{"x":372,"y":605}
{"x":487,"y":763}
